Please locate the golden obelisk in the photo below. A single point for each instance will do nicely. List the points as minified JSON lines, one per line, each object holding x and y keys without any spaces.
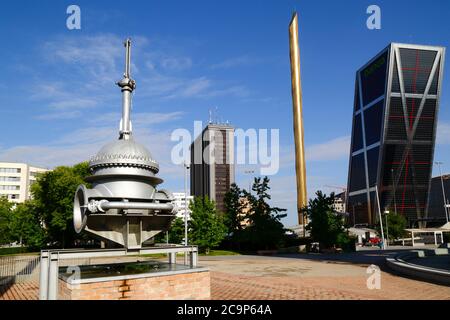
{"x":300,"y":163}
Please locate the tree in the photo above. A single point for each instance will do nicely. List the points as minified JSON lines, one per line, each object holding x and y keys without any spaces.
{"x":53,"y":194}
{"x":175,"y":233}
{"x":265,"y":230}
{"x":396,"y":225}
{"x":25,"y":225}
{"x":5,"y":218}
{"x":326,"y":227}
{"x":206,"y":228}
{"x":233,"y":216}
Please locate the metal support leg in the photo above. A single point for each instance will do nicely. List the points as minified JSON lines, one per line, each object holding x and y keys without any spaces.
{"x":194,"y":257}
{"x":43,"y":276}
{"x":53,"y":277}
{"x":172,"y":257}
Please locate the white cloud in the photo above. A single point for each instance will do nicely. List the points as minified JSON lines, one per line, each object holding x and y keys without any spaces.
{"x":334,"y":149}
{"x":443,"y":133}
{"x":176,"y":63}
{"x":59,"y":115}
{"x":243,"y":60}
{"x":196,"y":87}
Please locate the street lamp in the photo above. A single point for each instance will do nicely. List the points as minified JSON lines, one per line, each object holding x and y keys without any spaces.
{"x":443,"y":192}
{"x":381,"y":219}
{"x":386,"y":212}
{"x":186,"y":168}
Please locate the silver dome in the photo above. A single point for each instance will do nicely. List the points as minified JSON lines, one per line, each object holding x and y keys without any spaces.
{"x":124,"y":153}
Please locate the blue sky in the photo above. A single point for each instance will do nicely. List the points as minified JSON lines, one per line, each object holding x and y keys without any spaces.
{"x":59,"y":103}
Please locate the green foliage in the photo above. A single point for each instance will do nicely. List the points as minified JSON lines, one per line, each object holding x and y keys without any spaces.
{"x":53,"y":194}
{"x":233,"y":216}
{"x":345,"y":241}
{"x":325,"y":225}
{"x":175,"y":233}
{"x":20,"y":223}
{"x":5,"y":218}
{"x":396,"y":225}
{"x":25,"y":225}
{"x":17,"y":250}
{"x":206,"y":228}
{"x":265,"y":230}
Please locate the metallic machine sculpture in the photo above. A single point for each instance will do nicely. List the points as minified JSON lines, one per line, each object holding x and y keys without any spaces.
{"x":300,"y":163}
{"x":123,"y":205}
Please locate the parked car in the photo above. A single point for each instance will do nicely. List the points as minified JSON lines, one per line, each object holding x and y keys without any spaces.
{"x":375,"y":241}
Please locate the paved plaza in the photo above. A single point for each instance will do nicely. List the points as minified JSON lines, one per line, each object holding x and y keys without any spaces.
{"x":322,"y":278}
{"x":295,"y":277}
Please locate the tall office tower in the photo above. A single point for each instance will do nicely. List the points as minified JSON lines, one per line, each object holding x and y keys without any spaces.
{"x":212,"y":163}
{"x":394,"y":130}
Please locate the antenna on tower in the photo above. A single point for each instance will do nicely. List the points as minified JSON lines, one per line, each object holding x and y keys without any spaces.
{"x":210,"y":116}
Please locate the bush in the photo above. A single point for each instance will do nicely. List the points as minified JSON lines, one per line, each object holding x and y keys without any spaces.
{"x":345,"y":242}
{"x":14,"y":250}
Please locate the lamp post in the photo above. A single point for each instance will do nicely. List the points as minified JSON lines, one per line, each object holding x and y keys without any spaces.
{"x":386,"y":212}
{"x":186,"y":168}
{"x":381,"y":219}
{"x":443,"y":192}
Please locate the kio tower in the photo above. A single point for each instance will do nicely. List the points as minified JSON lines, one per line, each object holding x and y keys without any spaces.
{"x":393,"y":132}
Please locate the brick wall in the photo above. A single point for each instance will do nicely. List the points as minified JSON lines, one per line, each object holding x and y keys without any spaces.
{"x":194,"y":285}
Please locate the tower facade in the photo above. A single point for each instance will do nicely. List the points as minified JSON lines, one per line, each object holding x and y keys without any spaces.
{"x":393,"y":133}
{"x":212,"y":163}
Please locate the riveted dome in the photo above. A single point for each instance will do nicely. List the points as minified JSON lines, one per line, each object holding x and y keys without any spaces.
{"x":124,"y":153}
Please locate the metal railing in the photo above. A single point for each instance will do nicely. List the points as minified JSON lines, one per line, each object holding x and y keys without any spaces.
{"x":52,"y":260}
{"x":19,"y":269}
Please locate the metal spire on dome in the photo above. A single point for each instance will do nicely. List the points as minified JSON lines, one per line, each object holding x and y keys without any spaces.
{"x":127,"y":86}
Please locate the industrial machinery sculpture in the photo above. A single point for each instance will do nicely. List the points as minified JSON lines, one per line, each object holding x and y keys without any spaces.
{"x":123,"y":205}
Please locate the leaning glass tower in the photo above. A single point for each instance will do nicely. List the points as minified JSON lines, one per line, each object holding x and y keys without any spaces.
{"x":393,"y":133}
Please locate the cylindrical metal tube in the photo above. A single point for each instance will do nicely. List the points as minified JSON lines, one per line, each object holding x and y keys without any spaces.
{"x":106,"y":205}
{"x":300,"y":163}
{"x":126,"y":107}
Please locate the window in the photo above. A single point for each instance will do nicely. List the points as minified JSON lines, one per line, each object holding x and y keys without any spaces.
{"x":373,"y":118}
{"x":357,"y":173}
{"x":373,"y":79}
{"x":416,"y":68}
{"x":372,"y":164}
{"x":10,"y":179}
{"x":10,"y":170}
{"x":357,"y":134}
{"x":3,"y":187}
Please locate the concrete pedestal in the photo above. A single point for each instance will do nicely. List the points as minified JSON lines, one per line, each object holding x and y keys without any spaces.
{"x":192,"y":284}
